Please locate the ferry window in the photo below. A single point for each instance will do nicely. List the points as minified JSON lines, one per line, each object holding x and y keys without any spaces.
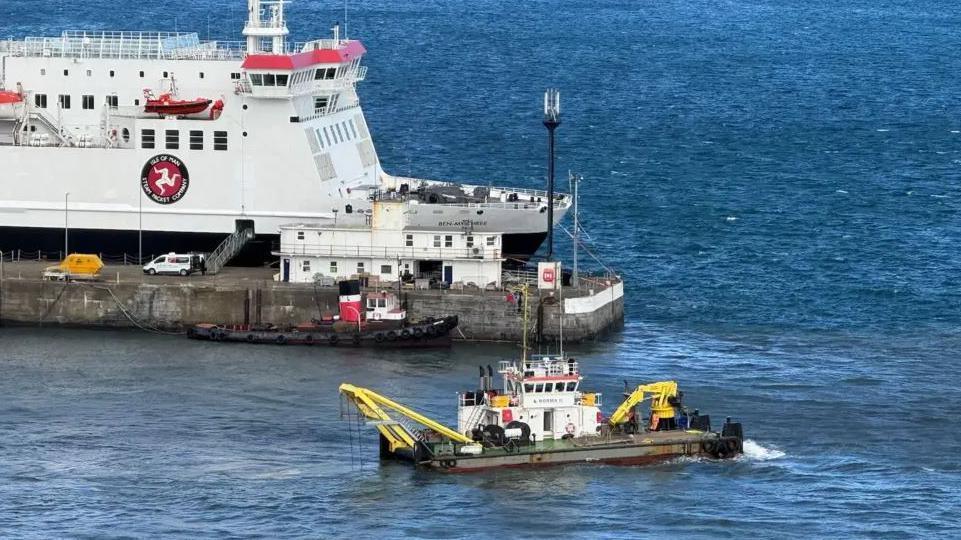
{"x":270,"y":79}
{"x":64,"y":101}
{"x":470,"y":241}
{"x":320,"y":104}
{"x":333,"y":267}
{"x":126,"y":135}
{"x":141,"y":74}
{"x":112,"y":73}
{"x":528,"y":387}
{"x":136,"y":102}
{"x":235,"y":76}
{"x":256,"y":79}
{"x":220,"y":141}
{"x":89,"y":72}
{"x":196,"y":140}
{"x":306,"y":266}
{"x":113,"y":102}
{"x":539,"y":387}
{"x":166,"y":74}
{"x":549,"y":387}
{"x":201,"y":74}
{"x":147,"y":138}
{"x":66,"y":73}
{"x":43,"y":72}
{"x":410,"y":240}
{"x":360,"y":268}
{"x":386,"y":269}
{"x":353,"y":129}
{"x":173,"y":139}
{"x":40,"y":100}
{"x":491,"y":240}
{"x":382,"y":302}
{"x":282,"y":80}
{"x":436,"y":241}
{"x":448,"y":241}
{"x":300,"y":235}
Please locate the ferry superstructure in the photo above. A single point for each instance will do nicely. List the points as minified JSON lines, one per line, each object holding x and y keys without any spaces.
{"x":160,"y":141}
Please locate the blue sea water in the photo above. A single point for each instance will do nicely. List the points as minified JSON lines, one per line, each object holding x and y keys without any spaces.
{"x":778,"y":183}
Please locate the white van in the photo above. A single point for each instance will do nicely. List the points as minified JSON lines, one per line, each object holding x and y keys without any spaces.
{"x":174,"y":263}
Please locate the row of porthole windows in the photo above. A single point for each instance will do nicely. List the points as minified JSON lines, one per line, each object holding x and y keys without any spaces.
{"x":113,"y":73}
{"x":148,"y":139}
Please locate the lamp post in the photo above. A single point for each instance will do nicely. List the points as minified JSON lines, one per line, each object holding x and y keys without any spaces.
{"x":140,"y":227}
{"x":66,"y":224}
{"x":552,"y":119}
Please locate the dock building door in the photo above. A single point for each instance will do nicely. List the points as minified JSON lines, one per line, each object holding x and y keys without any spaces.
{"x":448,"y":274}
{"x":285,"y":274}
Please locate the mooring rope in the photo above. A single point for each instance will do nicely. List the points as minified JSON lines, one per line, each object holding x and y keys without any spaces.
{"x":143,"y":326}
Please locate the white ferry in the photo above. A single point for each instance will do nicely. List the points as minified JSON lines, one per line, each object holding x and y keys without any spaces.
{"x":158,"y":141}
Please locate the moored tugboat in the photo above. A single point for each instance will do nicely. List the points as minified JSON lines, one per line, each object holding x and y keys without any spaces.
{"x":541,"y":416}
{"x":383,"y":323}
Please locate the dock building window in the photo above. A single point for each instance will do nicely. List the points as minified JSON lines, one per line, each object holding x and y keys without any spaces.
{"x":173,"y":139}
{"x":410,"y":240}
{"x":360,"y":268}
{"x":448,"y":241}
{"x":300,"y":235}
{"x":470,"y":241}
{"x":64,"y":101}
{"x":87,"y":102}
{"x":147,"y":138}
{"x":220,"y":141}
{"x":436,"y":241}
{"x":196,"y":140}
{"x":40,"y":100}
{"x":333,"y":267}
{"x":386,"y":269}
{"x":306,"y":266}
{"x":491,"y":240}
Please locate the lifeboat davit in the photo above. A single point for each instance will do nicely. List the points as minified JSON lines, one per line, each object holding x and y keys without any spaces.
{"x":166,"y":105}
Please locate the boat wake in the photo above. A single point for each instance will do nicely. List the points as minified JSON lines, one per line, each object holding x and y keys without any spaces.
{"x":755,"y":452}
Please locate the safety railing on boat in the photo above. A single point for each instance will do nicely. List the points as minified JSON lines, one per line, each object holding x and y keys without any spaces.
{"x":476,"y":252}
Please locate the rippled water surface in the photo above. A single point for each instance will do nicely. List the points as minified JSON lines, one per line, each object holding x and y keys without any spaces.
{"x":777,"y":181}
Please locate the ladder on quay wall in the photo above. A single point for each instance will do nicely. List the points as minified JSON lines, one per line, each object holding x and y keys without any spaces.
{"x":229,"y":248}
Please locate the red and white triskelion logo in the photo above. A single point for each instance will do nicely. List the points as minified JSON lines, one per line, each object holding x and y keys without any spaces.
{"x":165,"y":179}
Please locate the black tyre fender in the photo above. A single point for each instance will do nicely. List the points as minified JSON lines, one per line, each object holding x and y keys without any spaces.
{"x":332,"y":340}
{"x":251,"y":338}
{"x":391,"y":336}
{"x":405,"y":334}
{"x":709,"y":446}
{"x":379,"y":337}
{"x":309,"y":340}
{"x":281,"y":340}
{"x":418,"y":332}
{"x":356,"y":340}
{"x":431,"y":331}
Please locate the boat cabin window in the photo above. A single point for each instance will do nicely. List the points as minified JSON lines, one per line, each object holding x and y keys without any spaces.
{"x":539,"y":387}
{"x":571,"y":386}
{"x":382,"y":302}
{"x":328,"y":73}
{"x":528,"y":387}
{"x":220,"y":141}
{"x":173,"y":139}
{"x":549,"y":387}
{"x":256,"y":79}
{"x":320,"y":104}
{"x":270,"y":79}
{"x":147,"y":138}
{"x":282,"y":80}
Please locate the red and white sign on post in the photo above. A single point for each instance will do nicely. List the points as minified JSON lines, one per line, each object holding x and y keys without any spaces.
{"x":549,"y":275}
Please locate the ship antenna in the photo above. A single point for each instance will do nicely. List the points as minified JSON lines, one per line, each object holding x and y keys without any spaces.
{"x":345,"y":20}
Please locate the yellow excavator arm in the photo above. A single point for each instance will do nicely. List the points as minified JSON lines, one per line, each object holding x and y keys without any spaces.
{"x":371,"y":405}
{"x":659,"y":393}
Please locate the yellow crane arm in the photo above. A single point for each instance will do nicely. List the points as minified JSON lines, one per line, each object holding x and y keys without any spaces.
{"x":369,"y":404}
{"x":659,"y":393}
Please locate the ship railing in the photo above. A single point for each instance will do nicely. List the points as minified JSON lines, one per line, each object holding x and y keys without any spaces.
{"x":523,"y":195}
{"x":390,"y":252}
{"x":519,"y":276}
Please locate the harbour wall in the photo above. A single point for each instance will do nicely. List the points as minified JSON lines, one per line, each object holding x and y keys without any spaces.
{"x":173,"y":305}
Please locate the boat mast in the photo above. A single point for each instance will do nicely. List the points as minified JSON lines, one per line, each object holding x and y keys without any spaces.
{"x":274,"y":27}
{"x":552,"y":119}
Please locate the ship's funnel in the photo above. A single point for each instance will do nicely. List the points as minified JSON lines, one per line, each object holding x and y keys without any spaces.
{"x":350,"y":301}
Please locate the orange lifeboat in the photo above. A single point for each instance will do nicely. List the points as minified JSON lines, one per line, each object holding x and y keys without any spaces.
{"x":10,"y":98}
{"x":166,"y":105}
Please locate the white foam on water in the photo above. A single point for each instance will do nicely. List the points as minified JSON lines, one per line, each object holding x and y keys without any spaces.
{"x":756,"y":452}
{"x":883,"y":130}
{"x":840,"y":191}
{"x":731,"y":218}
{"x":955,"y":131}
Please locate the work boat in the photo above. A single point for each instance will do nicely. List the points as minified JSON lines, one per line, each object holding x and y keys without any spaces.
{"x":542,"y":416}
{"x":180,"y":142}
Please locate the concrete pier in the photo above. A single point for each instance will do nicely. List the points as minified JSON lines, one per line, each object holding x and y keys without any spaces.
{"x":125,"y":298}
